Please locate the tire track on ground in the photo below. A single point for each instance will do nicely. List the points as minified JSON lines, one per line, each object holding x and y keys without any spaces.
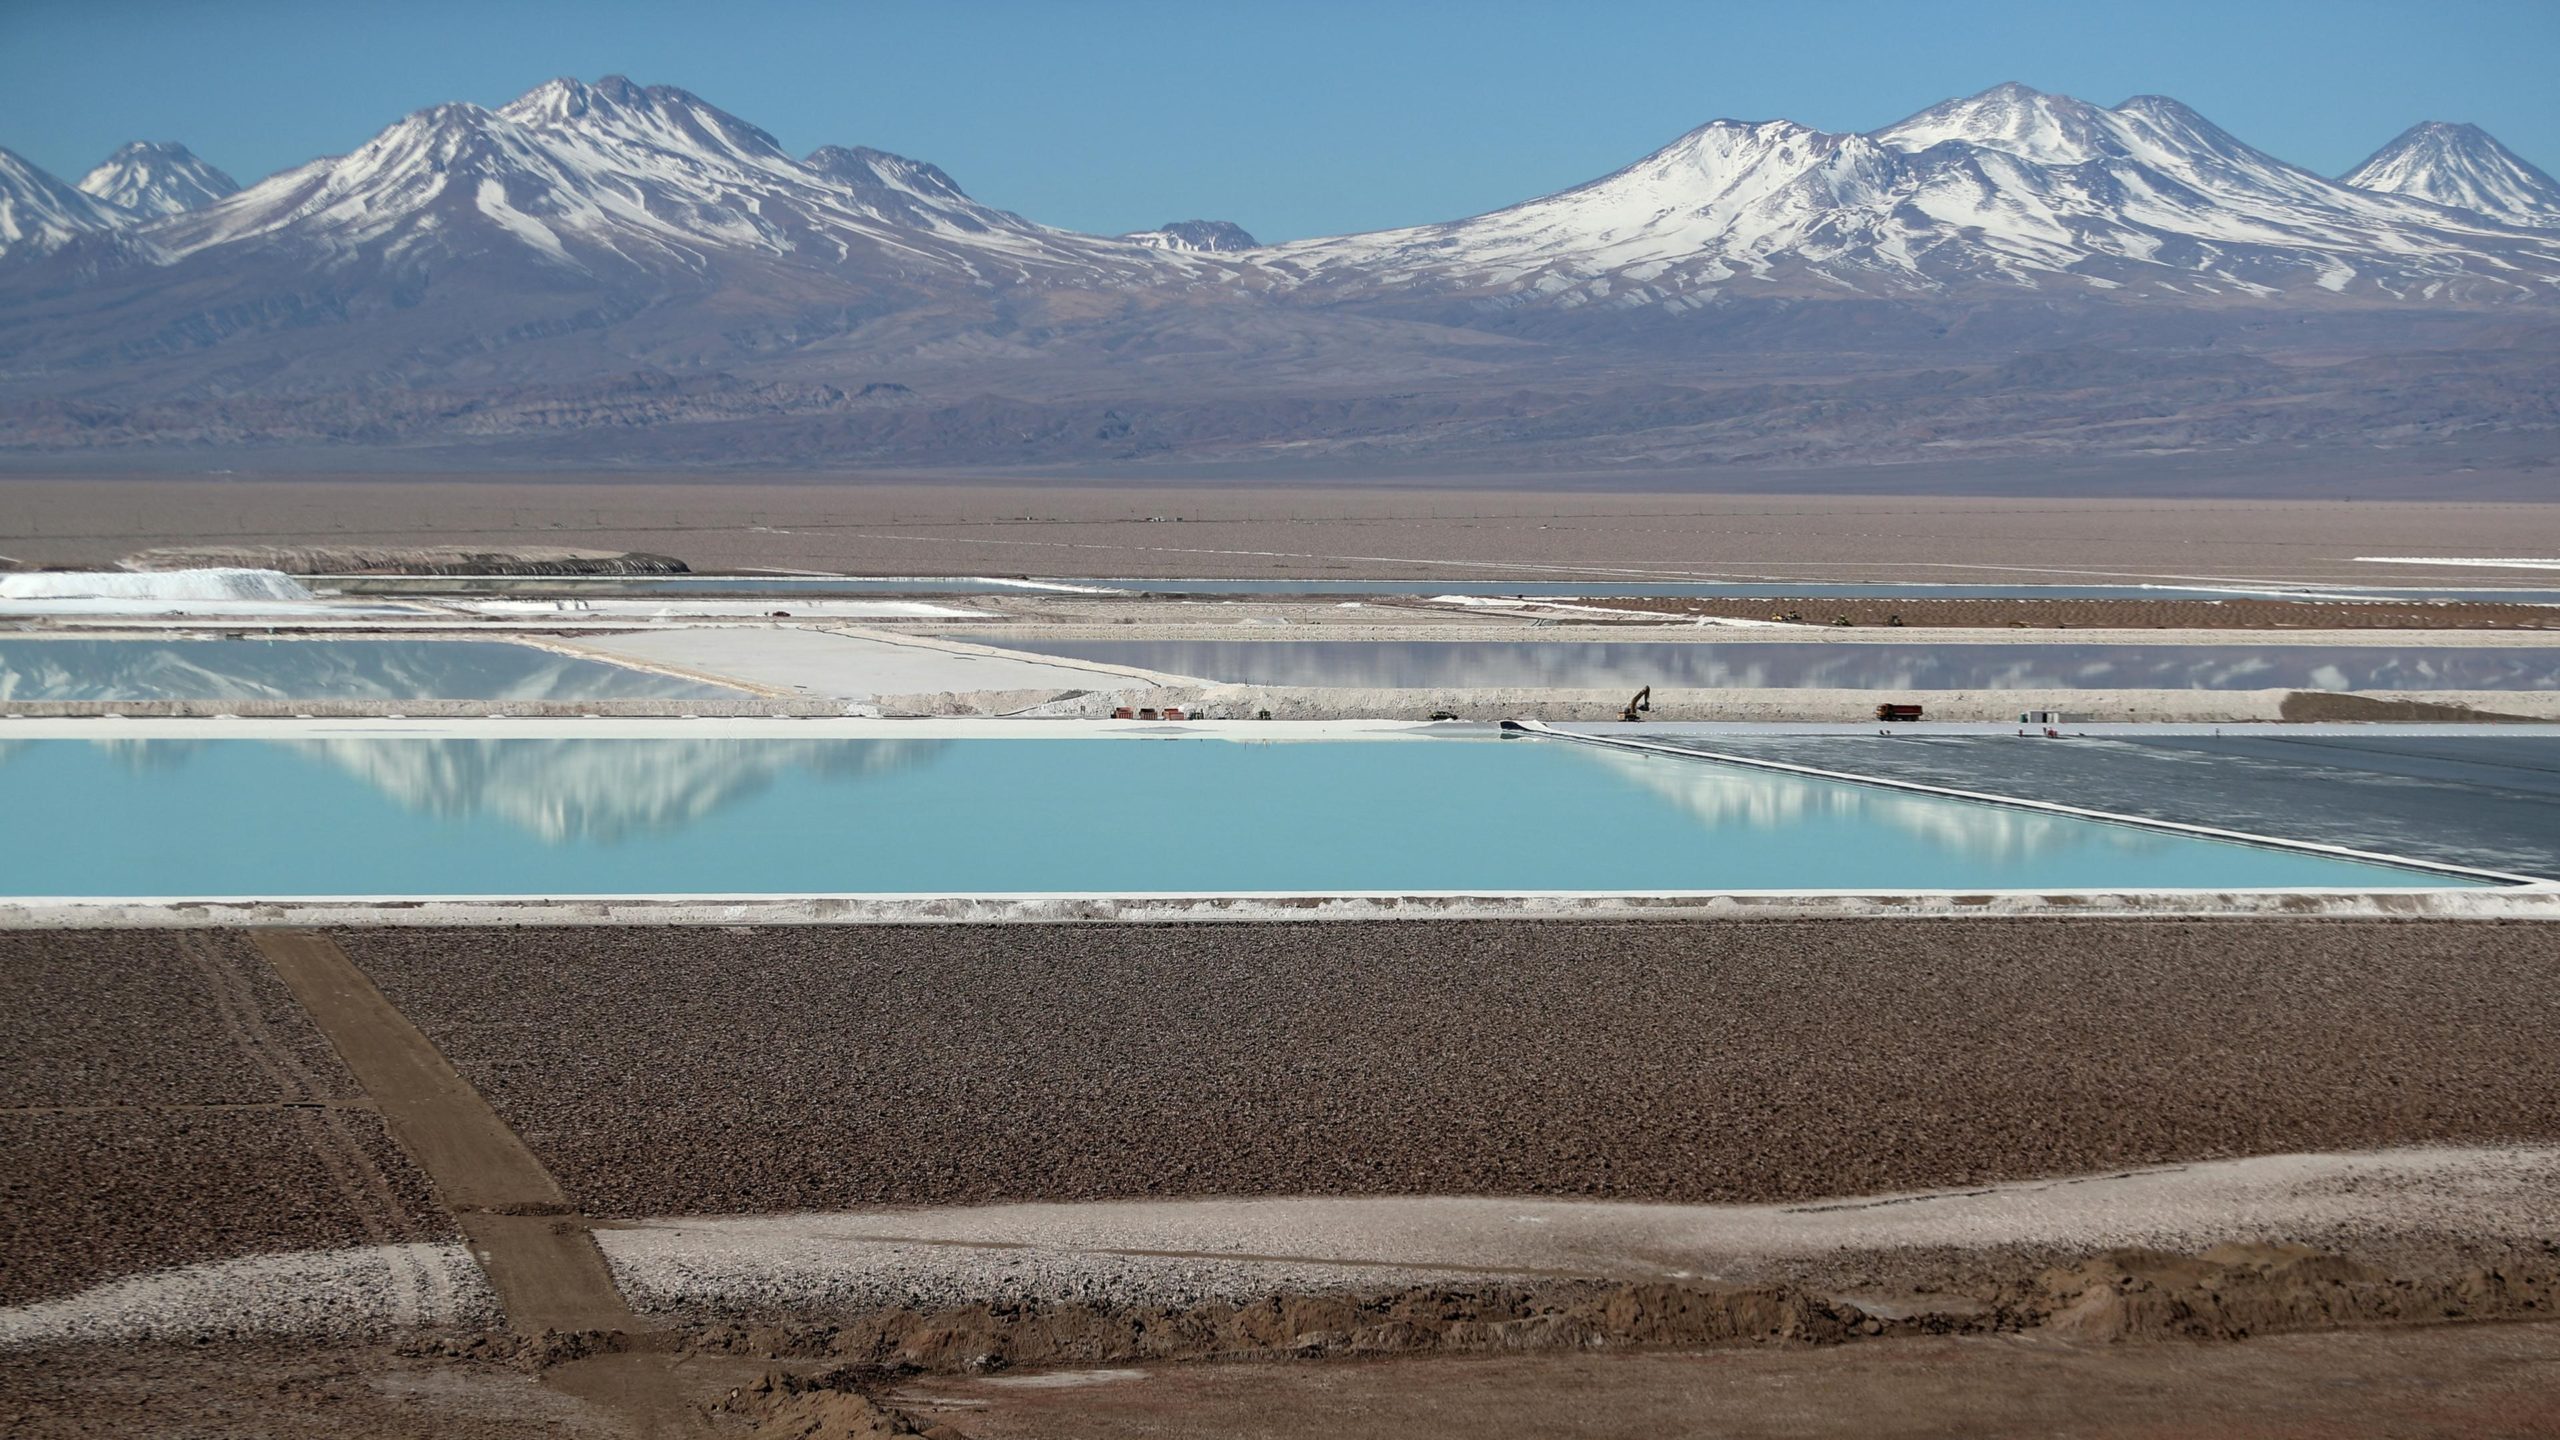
{"x":544,"y":1266}
{"x":533,"y":1245}
{"x":368,"y":1194}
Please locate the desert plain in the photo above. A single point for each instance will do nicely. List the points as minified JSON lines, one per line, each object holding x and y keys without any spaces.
{"x":2274,"y":1168}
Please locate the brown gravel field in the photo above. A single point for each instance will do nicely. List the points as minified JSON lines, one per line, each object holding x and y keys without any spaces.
{"x":124,"y":1017}
{"x":97,"y":1195}
{"x":671,"y":1071}
{"x":1537,"y":530}
{"x":164,"y":1101}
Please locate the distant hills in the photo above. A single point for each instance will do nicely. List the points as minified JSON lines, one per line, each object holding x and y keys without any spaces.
{"x":614,"y":273}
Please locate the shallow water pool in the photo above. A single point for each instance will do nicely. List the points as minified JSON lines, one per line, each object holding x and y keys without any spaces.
{"x":1788,"y":664}
{"x":247,"y":669}
{"x":364,"y":814}
{"x":852,"y":585}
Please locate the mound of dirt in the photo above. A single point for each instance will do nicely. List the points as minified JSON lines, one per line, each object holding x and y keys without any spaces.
{"x":833,"y":1405}
{"x":2225,"y":1293}
{"x":2234,"y":1291}
{"x":1564,"y":1316}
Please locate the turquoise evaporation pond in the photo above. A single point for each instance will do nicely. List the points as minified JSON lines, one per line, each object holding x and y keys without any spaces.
{"x":356,"y":814}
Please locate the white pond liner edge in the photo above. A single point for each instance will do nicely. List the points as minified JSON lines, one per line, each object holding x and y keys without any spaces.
{"x":2525,"y":902}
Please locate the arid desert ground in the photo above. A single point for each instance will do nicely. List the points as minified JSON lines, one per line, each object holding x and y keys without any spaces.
{"x":951,"y":526}
{"x":2097,"y":1161}
{"x":178,"y":1107}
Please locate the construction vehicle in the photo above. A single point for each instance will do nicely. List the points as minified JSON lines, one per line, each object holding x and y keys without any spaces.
{"x":1639,"y":705}
{"x":1897,"y":712}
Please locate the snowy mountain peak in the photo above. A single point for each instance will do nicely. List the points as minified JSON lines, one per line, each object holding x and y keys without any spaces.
{"x":656,"y":117}
{"x":2058,"y":130}
{"x":576,"y":184}
{"x":40,"y":214}
{"x":2013,"y":118}
{"x":2463,"y":166}
{"x":157,"y":177}
{"x":569,"y":97}
{"x":612,"y":178}
{"x":1213,"y":237}
{"x":2012,"y":187}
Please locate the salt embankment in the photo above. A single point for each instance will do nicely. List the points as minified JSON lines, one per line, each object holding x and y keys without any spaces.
{"x":212,"y":584}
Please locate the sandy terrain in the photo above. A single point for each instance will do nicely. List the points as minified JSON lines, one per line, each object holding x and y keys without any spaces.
{"x":2442,"y":1384}
{"x":2470,"y":1382}
{"x":1895,"y":1255}
{"x":953,"y":526}
{"x":1950,"y":1254}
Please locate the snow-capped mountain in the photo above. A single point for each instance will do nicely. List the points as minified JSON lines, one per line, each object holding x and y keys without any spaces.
{"x":151,"y":178}
{"x":614,"y":179}
{"x":1215,"y":237}
{"x":615,"y":271}
{"x":2012,"y":188}
{"x":2463,"y":166}
{"x":39,"y":214}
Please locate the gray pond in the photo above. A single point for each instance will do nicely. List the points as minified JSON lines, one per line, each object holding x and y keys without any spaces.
{"x":1765,"y":664}
{"x":859,"y":585}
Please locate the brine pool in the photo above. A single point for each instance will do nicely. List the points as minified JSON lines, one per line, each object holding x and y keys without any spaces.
{"x":257,"y":669}
{"x":1863,"y":665}
{"x":339,"y":812}
{"x":857,"y":585}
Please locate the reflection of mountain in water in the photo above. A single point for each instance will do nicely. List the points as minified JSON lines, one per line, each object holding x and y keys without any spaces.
{"x":600,"y":790}
{"x":319,"y":670}
{"x":1727,"y":796}
{"x":1790,"y":664}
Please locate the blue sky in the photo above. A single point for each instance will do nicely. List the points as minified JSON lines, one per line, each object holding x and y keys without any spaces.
{"x":1290,"y":118}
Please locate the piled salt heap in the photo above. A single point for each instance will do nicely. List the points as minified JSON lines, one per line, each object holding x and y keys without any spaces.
{"x":162,"y":585}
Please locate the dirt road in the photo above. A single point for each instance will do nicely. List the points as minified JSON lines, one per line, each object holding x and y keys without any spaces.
{"x":534,"y":1246}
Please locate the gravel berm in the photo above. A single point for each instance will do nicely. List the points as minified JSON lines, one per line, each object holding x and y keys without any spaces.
{"x":672,"y":1071}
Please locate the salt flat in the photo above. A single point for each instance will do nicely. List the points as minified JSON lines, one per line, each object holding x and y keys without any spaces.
{"x":855,"y":665}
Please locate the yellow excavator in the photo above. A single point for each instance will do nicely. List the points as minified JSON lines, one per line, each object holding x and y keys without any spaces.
{"x":1639,"y":705}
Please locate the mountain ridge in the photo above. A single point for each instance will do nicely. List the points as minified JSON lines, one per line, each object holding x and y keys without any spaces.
{"x":614,"y":268}
{"x":40,"y":214}
{"x":2010,"y":186}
